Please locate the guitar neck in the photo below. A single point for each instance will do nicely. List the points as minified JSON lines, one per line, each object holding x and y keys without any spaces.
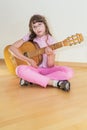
{"x":42,"y":50}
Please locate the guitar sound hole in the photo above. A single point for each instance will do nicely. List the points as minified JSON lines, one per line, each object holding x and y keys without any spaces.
{"x":25,"y":54}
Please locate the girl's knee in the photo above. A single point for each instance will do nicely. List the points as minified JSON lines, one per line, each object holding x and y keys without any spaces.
{"x":20,"y":69}
{"x":70,"y":74}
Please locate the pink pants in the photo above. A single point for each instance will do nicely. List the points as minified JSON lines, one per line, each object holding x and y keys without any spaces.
{"x":41,"y":76}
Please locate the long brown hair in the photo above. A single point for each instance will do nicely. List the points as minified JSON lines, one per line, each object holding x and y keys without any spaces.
{"x":34,"y":19}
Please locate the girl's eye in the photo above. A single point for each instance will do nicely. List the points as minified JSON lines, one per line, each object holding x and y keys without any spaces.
{"x":39,"y":23}
{"x":36,"y":26}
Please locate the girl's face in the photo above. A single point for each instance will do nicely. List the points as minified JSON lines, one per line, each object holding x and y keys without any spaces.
{"x":39,"y":29}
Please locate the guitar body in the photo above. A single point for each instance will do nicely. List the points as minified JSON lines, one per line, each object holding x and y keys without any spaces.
{"x":12,"y":62}
{"x":26,"y":49}
{"x":31,"y":50}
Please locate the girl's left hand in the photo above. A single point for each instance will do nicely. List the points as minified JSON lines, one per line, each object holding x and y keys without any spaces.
{"x":49,"y":51}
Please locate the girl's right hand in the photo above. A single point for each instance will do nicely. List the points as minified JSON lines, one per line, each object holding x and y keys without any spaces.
{"x":32,"y":63}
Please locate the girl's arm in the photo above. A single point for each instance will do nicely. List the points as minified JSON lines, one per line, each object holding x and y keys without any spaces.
{"x":50,"y":57}
{"x":15,"y":52}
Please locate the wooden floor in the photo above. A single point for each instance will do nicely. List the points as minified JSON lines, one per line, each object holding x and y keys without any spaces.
{"x":36,"y":108}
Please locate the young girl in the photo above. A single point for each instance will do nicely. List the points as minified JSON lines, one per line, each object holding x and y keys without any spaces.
{"x":46,"y":73}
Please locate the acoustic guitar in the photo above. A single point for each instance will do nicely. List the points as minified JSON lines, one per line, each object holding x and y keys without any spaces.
{"x":31,"y":50}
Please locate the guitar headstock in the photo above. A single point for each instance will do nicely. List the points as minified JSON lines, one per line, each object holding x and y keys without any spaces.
{"x":73,"y":40}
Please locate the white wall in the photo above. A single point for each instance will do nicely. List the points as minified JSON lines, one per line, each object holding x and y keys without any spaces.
{"x":65,"y":17}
